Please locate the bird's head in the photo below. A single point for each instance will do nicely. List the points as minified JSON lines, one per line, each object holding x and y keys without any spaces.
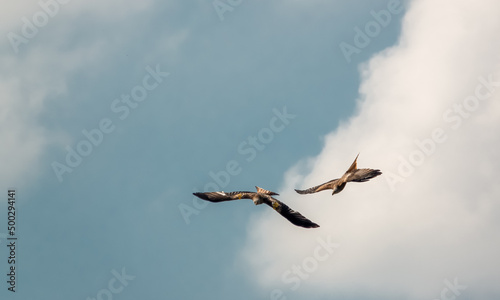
{"x":337,"y":190}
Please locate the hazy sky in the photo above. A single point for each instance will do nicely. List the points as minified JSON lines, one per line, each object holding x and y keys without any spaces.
{"x":113,"y":113}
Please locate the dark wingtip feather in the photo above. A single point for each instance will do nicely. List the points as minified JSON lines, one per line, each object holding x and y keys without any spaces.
{"x":307,"y":224}
{"x":300,"y":191}
{"x":201,"y":196}
{"x":314,"y":225}
{"x":376,"y":173}
{"x":304,"y":222}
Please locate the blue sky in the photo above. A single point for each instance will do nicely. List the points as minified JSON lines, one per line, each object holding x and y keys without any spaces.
{"x":231,"y":77}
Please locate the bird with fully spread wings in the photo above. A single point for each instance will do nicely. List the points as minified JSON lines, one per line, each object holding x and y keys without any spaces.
{"x":261,"y":196}
{"x":353,"y":174}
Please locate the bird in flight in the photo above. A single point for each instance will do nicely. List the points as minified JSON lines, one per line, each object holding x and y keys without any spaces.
{"x":337,"y":185}
{"x":261,"y":196}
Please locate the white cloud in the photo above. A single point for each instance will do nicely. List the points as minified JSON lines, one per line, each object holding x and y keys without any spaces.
{"x":441,"y":222}
{"x":39,"y":72}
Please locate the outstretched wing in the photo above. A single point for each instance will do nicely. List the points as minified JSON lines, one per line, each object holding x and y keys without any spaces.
{"x":318,"y":188}
{"x":222,"y":196}
{"x":354,"y":165}
{"x":362,"y":175}
{"x":291,"y":215}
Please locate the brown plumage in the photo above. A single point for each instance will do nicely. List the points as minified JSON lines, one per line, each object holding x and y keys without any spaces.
{"x":261,"y":196}
{"x":337,"y":185}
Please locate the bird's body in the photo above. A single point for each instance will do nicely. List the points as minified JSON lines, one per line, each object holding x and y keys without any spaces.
{"x":259,"y":197}
{"x":353,"y":174}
